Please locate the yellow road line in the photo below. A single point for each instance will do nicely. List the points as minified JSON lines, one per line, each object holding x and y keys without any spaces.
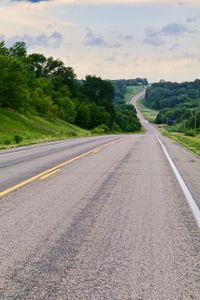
{"x":21,"y":184}
{"x":49,"y":174}
{"x":96,"y":151}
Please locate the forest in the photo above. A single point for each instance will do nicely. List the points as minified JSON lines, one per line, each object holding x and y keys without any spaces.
{"x":178,"y":104}
{"x":43,"y":85}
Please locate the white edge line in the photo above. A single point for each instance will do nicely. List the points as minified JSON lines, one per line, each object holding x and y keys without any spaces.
{"x":190,"y":200}
{"x":28,"y":150}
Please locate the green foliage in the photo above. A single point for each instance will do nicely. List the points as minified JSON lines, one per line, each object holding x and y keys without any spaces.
{"x":190,"y":142}
{"x":190,"y":132}
{"x":148,"y":113}
{"x":14,"y":90}
{"x":122,"y":88}
{"x":18,"y":50}
{"x":101,"y":129}
{"x":126,"y":118}
{"x":3,"y":49}
{"x":99,"y":91}
{"x":178,"y":103}
{"x":132,"y":91}
{"x":34,"y":128}
{"x":115,"y":128}
{"x":44,"y":85}
{"x":18,"y":138}
{"x":5,"y":141}
{"x":83,"y":116}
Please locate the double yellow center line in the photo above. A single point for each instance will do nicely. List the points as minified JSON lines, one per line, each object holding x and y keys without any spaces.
{"x":55,"y":169}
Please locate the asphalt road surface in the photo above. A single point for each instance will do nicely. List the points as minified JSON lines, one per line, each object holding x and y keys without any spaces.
{"x":99,"y":218}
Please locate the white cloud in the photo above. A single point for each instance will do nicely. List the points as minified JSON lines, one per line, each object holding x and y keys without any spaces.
{"x":48,"y":41}
{"x":170,"y":30}
{"x":97,"y":40}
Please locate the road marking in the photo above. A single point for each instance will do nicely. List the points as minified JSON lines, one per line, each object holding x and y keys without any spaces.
{"x":96,"y":151}
{"x":190,"y":200}
{"x":36,"y":148}
{"x":49,"y":174}
{"x":21,"y":184}
{"x":31,"y":149}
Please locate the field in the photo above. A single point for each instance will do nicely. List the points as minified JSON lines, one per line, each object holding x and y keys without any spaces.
{"x":132,"y":91}
{"x":17,"y":129}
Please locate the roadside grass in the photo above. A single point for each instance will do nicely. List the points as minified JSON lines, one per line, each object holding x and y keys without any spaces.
{"x":149,"y":114}
{"x":131,"y":91}
{"x":18,"y":129}
{"x":192,"y":143}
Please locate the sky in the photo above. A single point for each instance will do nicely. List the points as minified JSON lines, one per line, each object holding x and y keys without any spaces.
{"x":114,"y":39}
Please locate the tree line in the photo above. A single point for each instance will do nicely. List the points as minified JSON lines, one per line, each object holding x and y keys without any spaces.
{"x":44,"y":85}
{"x":178,"y":103}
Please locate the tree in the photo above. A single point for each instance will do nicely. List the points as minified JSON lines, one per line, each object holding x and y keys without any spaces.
{"x":37,"y":63}
{"x":14,"y":90}
{"x":83,"y":116}
{"x":18,"y":50}
{"x":99,"y":91}
{"x":3,"y":49}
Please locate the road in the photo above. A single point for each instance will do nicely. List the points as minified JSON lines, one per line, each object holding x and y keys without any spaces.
{"x":99,"y":218}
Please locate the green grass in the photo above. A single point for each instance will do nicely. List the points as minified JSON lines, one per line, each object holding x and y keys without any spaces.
{"x":149,"y":114}
{"x":34,"y":129}
{"x":132,"y":91}
{"x":192,"y":143}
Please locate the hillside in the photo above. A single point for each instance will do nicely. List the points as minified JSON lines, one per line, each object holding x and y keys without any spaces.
{"x":16,"y":128}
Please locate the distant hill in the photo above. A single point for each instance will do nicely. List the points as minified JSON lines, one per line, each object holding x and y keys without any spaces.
{"x":177,"y":103}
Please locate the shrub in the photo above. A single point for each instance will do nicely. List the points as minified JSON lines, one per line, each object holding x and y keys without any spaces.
{"x":100,"y":129}
{"x":72,"y":133}
{"x":6,"y":141}
{"x":190,"y":132}
{"x":115,"y":127}
{"x":18,"y":138}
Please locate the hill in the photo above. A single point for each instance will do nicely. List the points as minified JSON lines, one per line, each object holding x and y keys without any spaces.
{"x":17,"y":128}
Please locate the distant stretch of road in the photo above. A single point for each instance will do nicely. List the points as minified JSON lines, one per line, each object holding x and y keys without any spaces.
{"x":99,"y":218}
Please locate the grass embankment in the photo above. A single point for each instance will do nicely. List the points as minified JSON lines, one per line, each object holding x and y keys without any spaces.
{"x":17,"y":129}
{"x":192,"y":143}
{"x":131,"y":91}
{"x":148,"y":113}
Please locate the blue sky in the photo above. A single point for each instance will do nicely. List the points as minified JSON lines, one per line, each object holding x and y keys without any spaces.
{"x":157,"y":39}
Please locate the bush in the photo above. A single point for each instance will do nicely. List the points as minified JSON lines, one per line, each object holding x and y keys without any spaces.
{"x":6,"y":141}
{"x":18,"y":138}
{"x":115,"y":127}
{"x":190,"y":132}
{"x":72,"y":133}
{"x":101,"y":129}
